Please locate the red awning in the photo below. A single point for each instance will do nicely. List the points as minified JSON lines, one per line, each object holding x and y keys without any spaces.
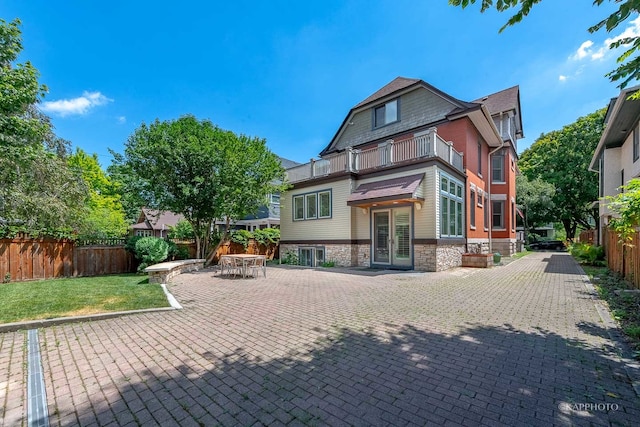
{"x":386,"y":190}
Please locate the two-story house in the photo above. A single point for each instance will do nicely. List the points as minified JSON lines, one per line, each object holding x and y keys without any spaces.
{"x":405,"y":183}
{"x":617,"y":155}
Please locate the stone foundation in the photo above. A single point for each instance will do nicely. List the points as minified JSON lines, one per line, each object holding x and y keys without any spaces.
{"x":437,"y":257}
{"x":478,"y":247}
{"x":504,"y":247}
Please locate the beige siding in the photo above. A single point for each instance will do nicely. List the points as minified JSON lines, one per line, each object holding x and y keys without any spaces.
{"x":417,"y":108}
{"x":334,"y":228}
{"x":425,"y":218}
{"x":631,"y":168}
{"x":612,"y":176}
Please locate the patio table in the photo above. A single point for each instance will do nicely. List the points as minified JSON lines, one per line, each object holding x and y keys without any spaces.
{"x":245,"y":258}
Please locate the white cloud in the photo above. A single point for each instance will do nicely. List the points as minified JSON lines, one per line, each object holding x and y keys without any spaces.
{"x":122,"y":120}
{"x":583,"y":51}
{"x":562,"y":78}
{"x":75,"y":106}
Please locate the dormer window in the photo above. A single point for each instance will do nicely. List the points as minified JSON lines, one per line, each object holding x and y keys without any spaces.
{"x":385,"y":114}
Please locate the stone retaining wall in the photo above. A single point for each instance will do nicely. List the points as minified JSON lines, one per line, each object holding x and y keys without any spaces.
{"x":165,"y":271}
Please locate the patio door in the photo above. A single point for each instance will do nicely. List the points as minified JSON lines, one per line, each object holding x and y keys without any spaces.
{"x":392,"y":237}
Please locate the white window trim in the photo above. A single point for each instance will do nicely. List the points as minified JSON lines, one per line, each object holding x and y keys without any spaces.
{"x":318,"y":203}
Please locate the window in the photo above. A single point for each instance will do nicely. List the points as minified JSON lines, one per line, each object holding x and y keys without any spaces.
{"x":513,"y":216}
{"x":324,"y":204}
{"x":451,"y":207}
{"x":298,"y":208}
{"x":479,"y":158}
{"x":385,"y":114}
{"x":497,"y":207}
{"x":497,"y":167}
{"x":144,"y":233}
{"x":274,"y":198}
{"x":311,"y":257}
{"x":636,"y":144}
{"x":472,"y":209}
{"x":486,"y":211}
{"x":312,"y":205}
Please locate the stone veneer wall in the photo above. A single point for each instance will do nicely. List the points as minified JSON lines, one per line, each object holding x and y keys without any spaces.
{"x":449,"y":256}
{"x":424,"y":257}
{"x":361,"y":255}
{"x":342,"y":255}
{"x":478,"y":248}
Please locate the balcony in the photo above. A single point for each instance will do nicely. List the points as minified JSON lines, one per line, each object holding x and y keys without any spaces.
{"x":386,"y":154}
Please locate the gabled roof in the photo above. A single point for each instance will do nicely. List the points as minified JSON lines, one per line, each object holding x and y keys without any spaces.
{"x":397,"y":86}
{"x":504,"y":101}
{"x":151,"y":219}
{"x":622,"y":116}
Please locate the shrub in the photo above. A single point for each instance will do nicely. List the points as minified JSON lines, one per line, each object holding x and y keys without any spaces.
{"x":130,"y":245}
{"x":328,"y":264}
{"x":151,"y":250}
{"x":289,"y":257}
{"x":181,"y":231}
{"x":586,"y":253}
{"x":242,"y":237}
{"x":266,"y":236}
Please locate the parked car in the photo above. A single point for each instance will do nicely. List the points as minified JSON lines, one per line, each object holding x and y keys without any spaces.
{"x":556,"y":245}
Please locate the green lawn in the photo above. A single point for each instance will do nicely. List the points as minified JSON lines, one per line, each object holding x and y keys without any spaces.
{"x":48,"y":299}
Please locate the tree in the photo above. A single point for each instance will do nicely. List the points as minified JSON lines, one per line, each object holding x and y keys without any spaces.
{"x":104,"y":214}
{"x":39,"y":194}
{"x":626,"y":207}
{"x":629,"y":68}
{"x":561,"y":158}
{"x":193,"y":167}
{"x":535,"y":198}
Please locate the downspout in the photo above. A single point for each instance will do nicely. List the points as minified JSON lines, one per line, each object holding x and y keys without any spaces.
{"x":490,"y":207}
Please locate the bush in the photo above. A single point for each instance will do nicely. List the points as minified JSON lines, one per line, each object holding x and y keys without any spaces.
{"x":290,"y":257}
{"x":586,"y":253}
{"x":130,"y":245}
{"x":267,"y":236}
{"x":151,"y":250}
{"x":242,"y":237}
{"x":181,"y":231}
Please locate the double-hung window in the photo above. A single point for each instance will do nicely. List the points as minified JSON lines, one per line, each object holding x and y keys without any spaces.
{"x":497,"y":210}
{"x":497,"y":167}
{"x":472,"y":209}
{"x":385,"y":114}
{"x":451,"y":207}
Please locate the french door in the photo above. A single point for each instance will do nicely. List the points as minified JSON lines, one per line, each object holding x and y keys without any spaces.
{"x":391,"y":229}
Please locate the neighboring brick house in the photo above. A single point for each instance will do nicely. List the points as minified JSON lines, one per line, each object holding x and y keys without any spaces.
{"x":393,"y":187}
{"x":617,"y":156}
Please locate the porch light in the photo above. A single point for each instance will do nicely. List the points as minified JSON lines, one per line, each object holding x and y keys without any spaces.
{"x":364,"y":211}
{"x":418,"y":206}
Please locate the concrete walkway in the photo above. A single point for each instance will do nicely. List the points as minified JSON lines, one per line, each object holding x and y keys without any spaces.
{"x":521,"y":344}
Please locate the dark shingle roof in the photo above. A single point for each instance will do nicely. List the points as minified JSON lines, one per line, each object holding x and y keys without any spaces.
{"x":288,"y":164}
{"x":157,"y":219}
{"x":499,"y":102}
{"x":395,"y":85}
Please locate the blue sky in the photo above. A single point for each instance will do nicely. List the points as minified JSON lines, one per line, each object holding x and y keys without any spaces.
{"x":289,"y":71}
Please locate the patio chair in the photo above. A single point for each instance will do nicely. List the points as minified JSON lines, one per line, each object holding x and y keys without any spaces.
{"x":230,"y":265}
{"x":258,"y":264}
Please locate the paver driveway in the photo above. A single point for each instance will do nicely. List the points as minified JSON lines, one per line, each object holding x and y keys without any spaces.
{"x":515,"y":345}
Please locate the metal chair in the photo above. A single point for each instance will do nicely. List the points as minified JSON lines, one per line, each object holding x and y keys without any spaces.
{"x":259,"y":263}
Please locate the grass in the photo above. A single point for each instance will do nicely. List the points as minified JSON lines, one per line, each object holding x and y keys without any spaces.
{"x":519,"y":255}
{"x":47,"y":299}
{"x":625,"y":308}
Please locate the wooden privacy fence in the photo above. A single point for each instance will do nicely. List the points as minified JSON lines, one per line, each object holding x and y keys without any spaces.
{"x":587,"y":236}
{"x":270,"y":251}
{"x":30,"y":259}
{"x":623,"y":259}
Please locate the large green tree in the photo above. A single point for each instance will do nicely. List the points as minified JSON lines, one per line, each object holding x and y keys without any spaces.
{"x":561,"y":158}
{"x":629,"y":68}
{"x":104,"y":213}
{"x":39,"y":194}
{"x":205,"y":173}
{"x":535,"y":199}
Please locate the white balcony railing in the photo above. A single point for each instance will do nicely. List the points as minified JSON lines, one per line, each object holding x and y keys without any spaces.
{"x":384,"y":155}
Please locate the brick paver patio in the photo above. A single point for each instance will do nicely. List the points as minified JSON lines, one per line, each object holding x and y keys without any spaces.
{"x":516,"y":345}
